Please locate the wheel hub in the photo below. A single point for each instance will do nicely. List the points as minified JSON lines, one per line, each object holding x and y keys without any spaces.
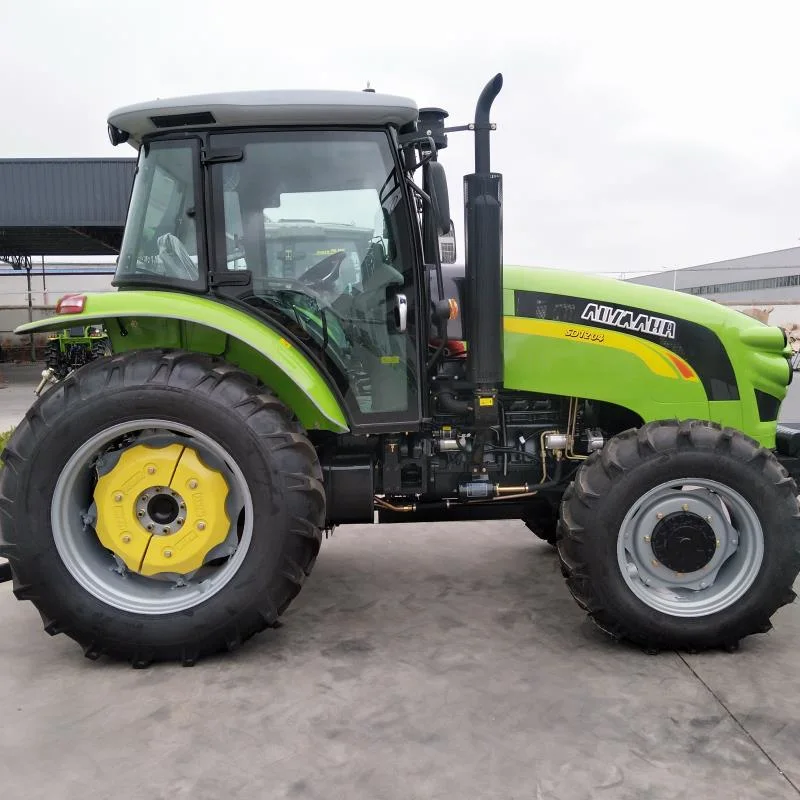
{"x":690,"y":547}
{"x":161,"y":509}
{"x":683,"y":542}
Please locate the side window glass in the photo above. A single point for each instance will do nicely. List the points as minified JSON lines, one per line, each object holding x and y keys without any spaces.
{"x":161,"y":237}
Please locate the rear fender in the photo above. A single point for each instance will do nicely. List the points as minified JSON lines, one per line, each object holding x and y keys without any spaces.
{"x":138,"y":320}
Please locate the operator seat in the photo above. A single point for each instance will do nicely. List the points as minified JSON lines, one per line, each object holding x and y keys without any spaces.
{"x":175,"y":258}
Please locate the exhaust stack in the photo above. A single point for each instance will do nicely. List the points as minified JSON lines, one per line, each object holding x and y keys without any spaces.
{"x":483,"y":213}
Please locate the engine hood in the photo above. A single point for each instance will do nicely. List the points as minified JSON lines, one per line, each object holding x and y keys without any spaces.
{"x":741,"y":363}
{"x":663,"y":302}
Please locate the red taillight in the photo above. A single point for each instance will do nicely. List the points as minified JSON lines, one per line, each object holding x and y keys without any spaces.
{"x":71,"y":304}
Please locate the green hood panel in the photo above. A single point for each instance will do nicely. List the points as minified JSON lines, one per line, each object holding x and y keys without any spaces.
{"x":660,"y":353}
{"x":172,"y":319}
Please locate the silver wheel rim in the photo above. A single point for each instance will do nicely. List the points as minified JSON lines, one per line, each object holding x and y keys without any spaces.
{"x":731,"y":570}
{"x":98,"y":571}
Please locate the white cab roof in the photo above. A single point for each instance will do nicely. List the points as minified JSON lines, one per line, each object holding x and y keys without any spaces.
{"x":235,"y":109}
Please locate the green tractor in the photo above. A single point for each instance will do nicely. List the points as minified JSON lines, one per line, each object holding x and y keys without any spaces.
{"x":169,"y":501}
{"x":73,"y":347}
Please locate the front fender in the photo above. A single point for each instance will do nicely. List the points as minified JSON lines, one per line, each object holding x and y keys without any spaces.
{"x":153,"y":319}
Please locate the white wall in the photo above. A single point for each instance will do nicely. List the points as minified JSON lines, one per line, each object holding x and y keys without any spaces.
{"x":44,"y":294}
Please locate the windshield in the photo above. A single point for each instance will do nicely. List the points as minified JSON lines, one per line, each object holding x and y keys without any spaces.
{"x":160,"y":241}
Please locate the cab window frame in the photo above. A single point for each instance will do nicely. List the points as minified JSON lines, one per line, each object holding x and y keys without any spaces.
{"x":194,"y":141}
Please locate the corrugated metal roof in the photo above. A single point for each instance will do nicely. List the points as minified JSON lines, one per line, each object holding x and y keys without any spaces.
{"x":55,"y":193}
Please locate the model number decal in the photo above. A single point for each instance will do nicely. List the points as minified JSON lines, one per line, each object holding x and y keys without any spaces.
{"x":629,"y":320}
{"x":591,"y":336}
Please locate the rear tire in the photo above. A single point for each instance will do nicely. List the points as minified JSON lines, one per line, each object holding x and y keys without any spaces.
{"x":649,"y":606}
{"x":100,"y":349}
{"x":54,"y":359}
{"x":221,"y":403}
{"x":544,"y":523}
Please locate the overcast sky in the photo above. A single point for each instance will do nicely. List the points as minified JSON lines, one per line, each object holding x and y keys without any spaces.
{"x":632,"y":135}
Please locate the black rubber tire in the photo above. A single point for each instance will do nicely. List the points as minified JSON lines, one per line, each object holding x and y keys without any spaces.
{"x":54,"y":359}
{"x":544,"y":524}
{"x":277,"y":460}
{"x":100,"y":349}
{"x":637,"y":460}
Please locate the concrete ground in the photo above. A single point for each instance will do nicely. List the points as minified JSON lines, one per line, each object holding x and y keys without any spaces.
{"x":428,"y":661}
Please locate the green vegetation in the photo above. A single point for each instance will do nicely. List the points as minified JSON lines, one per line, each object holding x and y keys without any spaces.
{"x":4,"y":437}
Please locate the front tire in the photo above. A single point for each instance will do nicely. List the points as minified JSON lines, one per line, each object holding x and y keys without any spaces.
{"x":141,"y":403}
{"x":681,"y":536}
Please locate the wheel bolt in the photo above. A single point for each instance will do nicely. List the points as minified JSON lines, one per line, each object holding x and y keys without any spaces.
{"x":183,"y":505}
{"x":717,"y":542}
{"x":149,"y":527}
{"x":165,"y":530}
{"x":151,"y":470}
{"x":654,"y":562}
{"x":145,"y":498}
{"x":168,"y":554}
{"x":179,"y":521}
{"x":708,"y":518}
{"x":126,"y":539}
{"x":140,"y":513}
{"x":118,"y":497}
{"x":192,"y":484}
{"x":685,"y":506}
{"x":647,"y":538}
{"x":659,"y":515}
{"x":201,"y":526}
{"x":703,"y":584}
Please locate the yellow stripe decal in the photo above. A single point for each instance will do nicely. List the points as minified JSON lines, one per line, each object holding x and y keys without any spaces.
{"x":658,"y":359}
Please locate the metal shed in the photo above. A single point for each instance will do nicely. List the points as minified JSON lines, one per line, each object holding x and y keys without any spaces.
{"x":62,"y":207}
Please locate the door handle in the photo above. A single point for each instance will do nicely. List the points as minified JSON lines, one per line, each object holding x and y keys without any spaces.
{"x":401,"y":312}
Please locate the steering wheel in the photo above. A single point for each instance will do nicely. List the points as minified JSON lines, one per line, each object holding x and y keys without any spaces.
{"x":324,"y":271}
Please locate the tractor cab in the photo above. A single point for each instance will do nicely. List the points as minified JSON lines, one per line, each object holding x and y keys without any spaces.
{"x":299,"y":207}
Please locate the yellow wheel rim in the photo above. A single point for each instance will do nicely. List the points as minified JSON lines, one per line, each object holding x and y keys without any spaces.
{"x":162,"y":509}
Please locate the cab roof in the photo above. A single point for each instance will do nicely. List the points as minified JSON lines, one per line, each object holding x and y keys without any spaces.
{"x":238,"y":109}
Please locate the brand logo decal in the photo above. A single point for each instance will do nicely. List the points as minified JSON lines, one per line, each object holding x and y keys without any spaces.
{"x":629,"y":320}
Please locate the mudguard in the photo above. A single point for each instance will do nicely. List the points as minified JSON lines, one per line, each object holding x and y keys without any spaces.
{"x":137,"y":320}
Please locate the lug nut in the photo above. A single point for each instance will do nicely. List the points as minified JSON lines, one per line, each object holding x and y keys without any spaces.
{"x":654,"y":562}
{"x":193,"y":484}
{"x":151,"y":470}
{"x":685,"y":506}
{"x":168,"y":554}
{"x":150,"y":527}
{"x":703,"y":584}
{"x":126,"y":539}
{"x":118,"y":497}
{"x":165,"y":530}
{"x":179,"y":521}
{"x":647,"y":538}
{"x":708,"y":517}
{"x":140,"y":513}
{"x":201,"y":526}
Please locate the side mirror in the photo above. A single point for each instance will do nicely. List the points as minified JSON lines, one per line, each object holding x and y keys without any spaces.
{"x":434,"y":182}
{"x":447,"y":246}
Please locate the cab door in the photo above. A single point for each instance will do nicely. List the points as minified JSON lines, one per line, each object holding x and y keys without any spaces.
{"x":319,"y":222}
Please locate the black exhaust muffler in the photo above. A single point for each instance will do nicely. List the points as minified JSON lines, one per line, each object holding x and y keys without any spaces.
{"x":483,"y":212}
